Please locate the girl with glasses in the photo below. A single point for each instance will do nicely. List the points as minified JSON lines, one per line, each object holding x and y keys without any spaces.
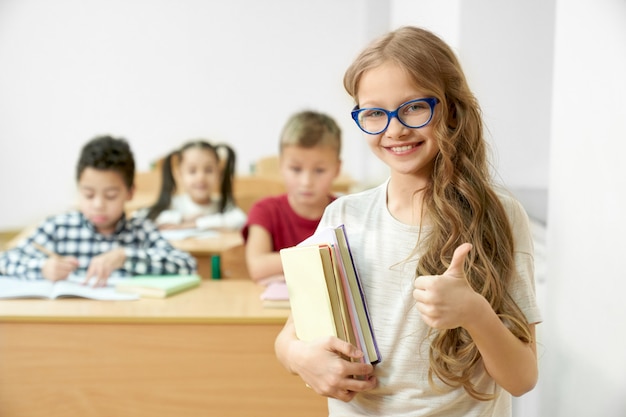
{"x":445,"y":256}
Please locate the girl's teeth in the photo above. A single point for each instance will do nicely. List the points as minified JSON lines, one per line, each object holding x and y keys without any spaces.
{"x":401,"y":148}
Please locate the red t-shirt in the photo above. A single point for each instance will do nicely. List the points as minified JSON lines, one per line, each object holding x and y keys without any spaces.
{"x":276,"y":216}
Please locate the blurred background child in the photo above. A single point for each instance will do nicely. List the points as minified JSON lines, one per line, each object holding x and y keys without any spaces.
{"x":188,"y":196}
{"x":310,"y":147}
{"x":97,"y":239}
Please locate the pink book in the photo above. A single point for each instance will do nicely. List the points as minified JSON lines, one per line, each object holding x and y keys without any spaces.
{"x":276,"y":290}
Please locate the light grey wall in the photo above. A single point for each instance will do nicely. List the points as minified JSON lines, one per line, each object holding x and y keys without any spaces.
{"x":507,"y":48}
{"x":161,"y":72}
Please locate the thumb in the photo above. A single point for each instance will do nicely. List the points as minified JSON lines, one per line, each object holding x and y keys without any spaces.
{"x":458,"y":259}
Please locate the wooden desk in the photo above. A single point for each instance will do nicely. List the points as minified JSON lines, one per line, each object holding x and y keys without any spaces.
{"x":227,"y":245}
{"x":206,"y":352}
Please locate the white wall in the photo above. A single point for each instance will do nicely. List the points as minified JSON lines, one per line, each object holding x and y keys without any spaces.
{"x":161,"y":72}
{"x":442,"y":17}
{"x":507,"y":49}
{"x":585,"y":348}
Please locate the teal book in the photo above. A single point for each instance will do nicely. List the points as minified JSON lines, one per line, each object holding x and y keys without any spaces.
{"x":157,"y":286}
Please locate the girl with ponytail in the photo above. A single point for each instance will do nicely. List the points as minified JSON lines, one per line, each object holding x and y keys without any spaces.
{"x":197,"y":189}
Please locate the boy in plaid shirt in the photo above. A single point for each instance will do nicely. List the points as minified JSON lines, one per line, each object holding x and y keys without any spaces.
{"x":98,"y":240}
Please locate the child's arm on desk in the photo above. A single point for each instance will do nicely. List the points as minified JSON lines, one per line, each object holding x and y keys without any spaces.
{"x":232,"y":219}
{"x":56,"y":267}
{"x":33,"y":258}
{"x":152,"y":254}
{"x":102,"y":266}
{"x":262,"y":261}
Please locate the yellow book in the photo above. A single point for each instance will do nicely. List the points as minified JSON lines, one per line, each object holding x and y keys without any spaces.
{"x":157,"y":286}
{"x":312,"y":291}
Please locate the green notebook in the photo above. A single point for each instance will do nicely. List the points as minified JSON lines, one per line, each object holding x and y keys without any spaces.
{"x":157,"y":286}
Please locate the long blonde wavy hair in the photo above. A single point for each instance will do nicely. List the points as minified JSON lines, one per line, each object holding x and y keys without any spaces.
{"x":460,"y":201}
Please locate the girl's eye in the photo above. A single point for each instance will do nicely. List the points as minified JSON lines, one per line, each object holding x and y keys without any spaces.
{"x":416,"y":107}
{"x":372,"y":113}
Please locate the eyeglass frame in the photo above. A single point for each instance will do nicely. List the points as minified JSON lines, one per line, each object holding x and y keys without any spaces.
{"x":432,"y":102}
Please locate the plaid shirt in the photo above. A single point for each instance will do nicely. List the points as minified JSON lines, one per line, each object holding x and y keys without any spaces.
{"x":71,"y":234}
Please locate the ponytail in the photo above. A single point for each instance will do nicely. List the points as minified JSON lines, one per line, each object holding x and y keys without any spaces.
{"x":168,"y":187}
{"x":228,"y":174}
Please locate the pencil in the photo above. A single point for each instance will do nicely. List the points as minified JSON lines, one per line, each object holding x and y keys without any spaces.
{"x":44,"y":250}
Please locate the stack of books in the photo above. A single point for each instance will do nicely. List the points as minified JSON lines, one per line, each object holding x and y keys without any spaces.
{"x":325,"y":292}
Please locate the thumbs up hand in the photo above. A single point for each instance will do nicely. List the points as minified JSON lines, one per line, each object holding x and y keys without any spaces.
{"x":445,"y":301}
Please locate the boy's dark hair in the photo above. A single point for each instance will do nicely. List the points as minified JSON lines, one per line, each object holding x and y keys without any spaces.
{"x":168,"y":183}
{"x":108,"y":153}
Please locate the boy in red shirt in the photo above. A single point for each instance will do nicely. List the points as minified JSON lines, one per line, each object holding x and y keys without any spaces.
{"x":310,"y":147}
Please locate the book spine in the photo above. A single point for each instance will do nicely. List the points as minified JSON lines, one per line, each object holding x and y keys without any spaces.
{"x":353,"y":316}
{"x":344,"y":236}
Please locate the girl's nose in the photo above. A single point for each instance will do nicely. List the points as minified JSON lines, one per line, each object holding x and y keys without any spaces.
{"x":396,"y":130}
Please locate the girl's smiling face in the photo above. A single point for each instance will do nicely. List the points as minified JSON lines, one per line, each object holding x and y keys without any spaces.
{"x":199,"y":173}
{"x":407,"y":151}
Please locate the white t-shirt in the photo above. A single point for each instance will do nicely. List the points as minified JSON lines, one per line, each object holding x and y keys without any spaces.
{"x":381,"y":245}
{"x":210,"y":218}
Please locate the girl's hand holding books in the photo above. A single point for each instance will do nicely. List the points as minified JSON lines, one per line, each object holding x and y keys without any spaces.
{"x":325,"y":366}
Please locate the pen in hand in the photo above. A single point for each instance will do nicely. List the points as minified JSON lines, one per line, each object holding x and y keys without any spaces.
{"x":44,"y":250}
{"x":57,"y":267}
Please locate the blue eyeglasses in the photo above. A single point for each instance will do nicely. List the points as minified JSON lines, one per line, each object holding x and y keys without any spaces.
{"x":412,"y":114}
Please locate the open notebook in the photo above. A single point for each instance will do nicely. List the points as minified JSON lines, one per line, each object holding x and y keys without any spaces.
{"x":11,"y":287}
